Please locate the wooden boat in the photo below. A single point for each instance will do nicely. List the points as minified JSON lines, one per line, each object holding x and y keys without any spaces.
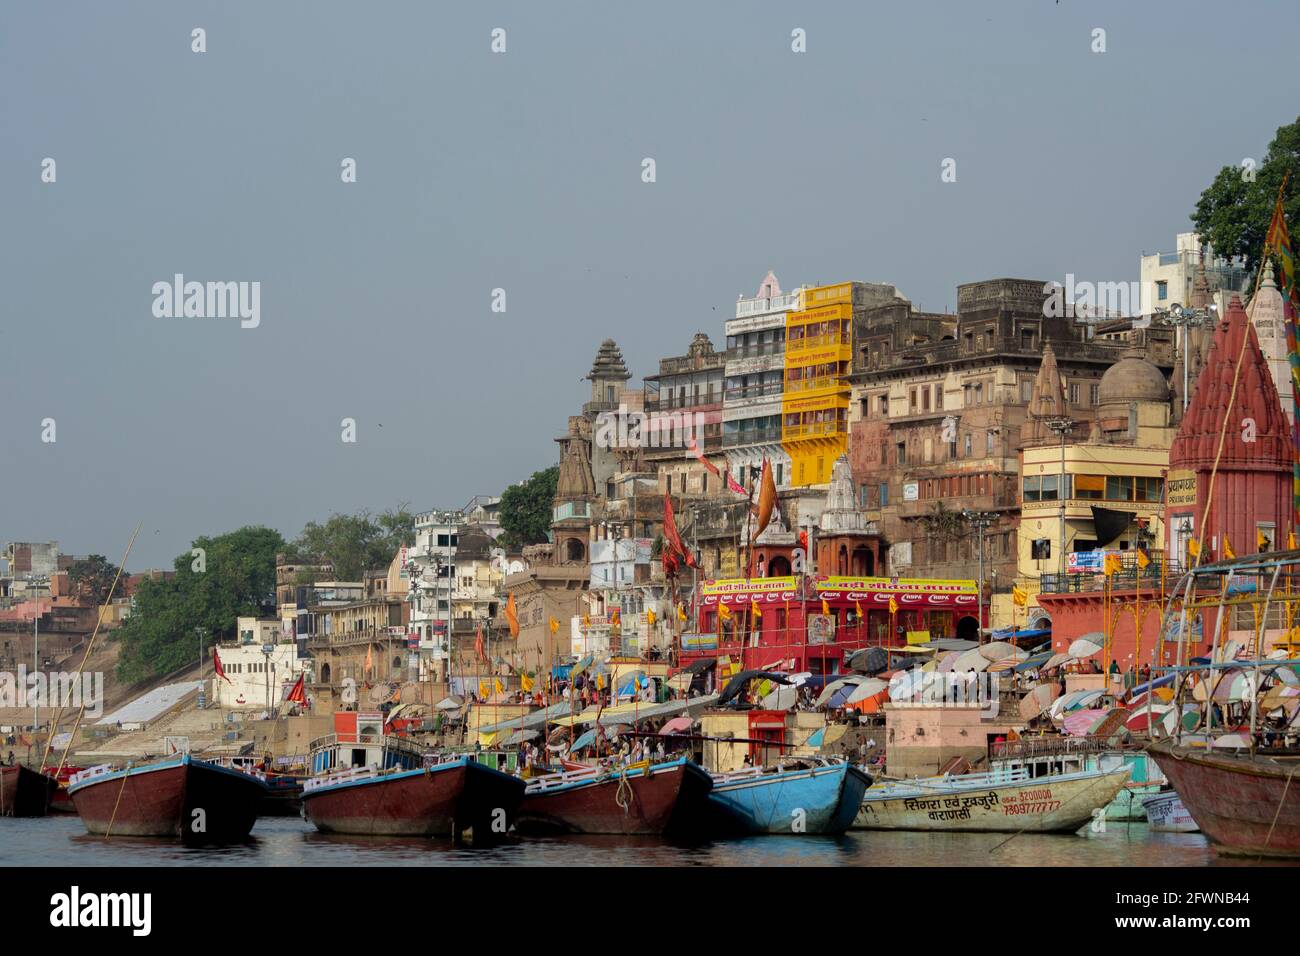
{"x":821,"y":797}
{"x":1167,"y":814}
{"x":643,"y":798}
{"x":181,"y":797}
{"x":991,"y":802}
{"x":1248,"y":805}
{"x":395,"y":794}
{"x":25,"y":792}
{"x":60,"y":802}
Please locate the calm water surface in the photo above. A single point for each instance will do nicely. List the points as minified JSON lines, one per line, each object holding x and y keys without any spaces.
{"x":287,"y":841}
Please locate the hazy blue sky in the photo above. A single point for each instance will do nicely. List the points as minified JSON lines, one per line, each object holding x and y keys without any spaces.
{"x":522,"y":171}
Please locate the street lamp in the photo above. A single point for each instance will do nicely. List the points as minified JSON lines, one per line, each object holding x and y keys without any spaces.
{"x":1183,"y":319}
{"x":981,"y":520}
{"x":1061,"y":427}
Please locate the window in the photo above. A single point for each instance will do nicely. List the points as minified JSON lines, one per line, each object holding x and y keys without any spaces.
{"x":1089,"y":486}
{"x":900,"y":453}
{"x":1162,"y":290}
{"x":1074,"y":393}
{"x":1119,"y":488}
{"x":1094,"y":394}
{"x":1026,"y":389}
{"x":968,"y":445}
{"x":884,"y":494}
{"x":1032,"y":488}
{"x":1148,"y":489}
{"x":988,"y":442}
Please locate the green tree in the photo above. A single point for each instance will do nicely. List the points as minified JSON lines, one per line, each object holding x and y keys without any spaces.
{"x":526,"y":509}
{"x":360,"y":542}
{"x":1233,"y":214}
{"x":92,"y":577}
{"x":232,"y":576}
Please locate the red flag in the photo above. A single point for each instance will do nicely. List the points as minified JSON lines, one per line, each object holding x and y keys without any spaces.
{"x":766,"y":500}
{"x":478,"y":642}
{"x":734,"y":485}
{"x":298,"y":694}
{"x":670,"y":533}
{"x":670,"y":563}
{"x":699,"y":456}
{"x":216,"y":663}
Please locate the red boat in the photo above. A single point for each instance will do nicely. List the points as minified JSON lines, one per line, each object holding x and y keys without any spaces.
{"x":60,"y":802}
{"x":181,"y":798}
{"x":1247,"y":805}
{"x":641,"y":799}
{"x":24,"y":792}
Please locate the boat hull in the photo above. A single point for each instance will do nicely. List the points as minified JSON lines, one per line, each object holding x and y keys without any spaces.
{"x":817,"y":800}
{"x":1244,"y":806}
{"x":662,"y":799}
{"x":1043,"y":805}
{"x":440,"y":801}
{"x":191,"y":800}
{"x":24,"y":792}
{"x":1167,"y":814}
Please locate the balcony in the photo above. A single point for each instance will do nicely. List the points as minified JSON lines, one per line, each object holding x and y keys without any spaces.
{"x":756,"y":436}
{"x":353,"y":638}
{"x":814,"y":430}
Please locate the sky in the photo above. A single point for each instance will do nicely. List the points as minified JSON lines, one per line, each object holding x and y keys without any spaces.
{"x":523,"y":171}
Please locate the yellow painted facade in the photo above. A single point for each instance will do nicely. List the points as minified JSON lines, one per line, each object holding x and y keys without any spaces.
{"x":815,"y":403}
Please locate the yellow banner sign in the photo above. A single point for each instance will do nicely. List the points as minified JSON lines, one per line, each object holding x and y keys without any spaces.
{"x":735,"y":586}
{"x":1181,"y":487}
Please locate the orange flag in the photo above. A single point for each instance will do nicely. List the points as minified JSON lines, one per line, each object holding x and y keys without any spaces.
{"x":512,"y":615}
{"x":766,"y":499}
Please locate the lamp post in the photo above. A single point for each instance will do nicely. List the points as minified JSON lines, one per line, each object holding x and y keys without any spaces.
{"x":981,"y":520}
{"x":1061,"y":427}
{"x":1183,"y":319}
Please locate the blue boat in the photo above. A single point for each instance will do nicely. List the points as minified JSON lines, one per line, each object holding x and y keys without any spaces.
{"x":818,"y":797}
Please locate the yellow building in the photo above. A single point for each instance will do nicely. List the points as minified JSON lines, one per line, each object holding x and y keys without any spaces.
{"x":1117,"y":463}
{"x":815,"y":403}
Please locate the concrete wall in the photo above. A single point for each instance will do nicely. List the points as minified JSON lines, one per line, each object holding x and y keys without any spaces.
{"x":919,"y":740}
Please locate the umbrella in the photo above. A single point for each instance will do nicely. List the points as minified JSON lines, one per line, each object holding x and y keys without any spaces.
{"x":997,"y":650}
{"x":1081,"y":722}
{"x":945,"y":663}
{"x":869,"y":660}
{"x":737,"y":684}
{"x":1156,"y":715}
{"x":1037,"y":701}
{"x":1088,"y":645}
{"x":1056,"y":660}
{"x":783,"y":698}
{"x":1230,"y":741}
{"x":829,"y":690}
{"x":1234,"y":687}
{"x":450,"y":703}
{"x":702,"y":665}
{"x":519,"y":736}
{"x":681,"y":682}
{"x":971,"y":660}
{"x":586,"y":740}
{"x":867,"y":688}
{"x":678,"y":725}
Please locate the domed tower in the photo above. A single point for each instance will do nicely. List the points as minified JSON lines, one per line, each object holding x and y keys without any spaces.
{"x":1252,"y":488}
{"x":575,"y":491}
{"x":1132,"y":395}
{"x":1268,"y":315}
{"x":607,"y":375}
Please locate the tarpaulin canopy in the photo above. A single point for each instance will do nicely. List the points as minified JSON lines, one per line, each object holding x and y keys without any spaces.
{"x":678,"y":725}
{"x":1031,"y":663}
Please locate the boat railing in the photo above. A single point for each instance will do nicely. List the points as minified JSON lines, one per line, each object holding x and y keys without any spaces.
{"x":562,"y":778}
{"x":1029,"y":747}
{"x":966,"y":781}
{"x":394,"y":744}
{"x":799,"y":763}
{"x":347,"y":776}
{"x":90,"y":773}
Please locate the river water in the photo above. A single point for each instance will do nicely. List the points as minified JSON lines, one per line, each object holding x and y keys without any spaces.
{"x":61,"y":840}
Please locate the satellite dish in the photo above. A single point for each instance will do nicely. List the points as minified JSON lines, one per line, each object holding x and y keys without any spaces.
{"x":349,"y":693}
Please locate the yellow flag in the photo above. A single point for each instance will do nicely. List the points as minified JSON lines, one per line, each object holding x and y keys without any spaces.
{"x":1142,"y":558}
{"x":483,"y":692}
{"x":1261,"y":540}
{"x":857,"y":606}
{"x":758,"y":611}
{"x":681,"y":613}
{"x":650,"y":617}
{"x":724,"y":613}
{"x":1019,"y":596}
{"x":555,"y":626}
{"x":501,"y":688}
{"x":512,"y":615}
{"x":893,"y":605}
{"x":586,"y":620}
{"x":826,"y":606}
{"x":526,"y":683}
{"x":1194,"y":547}
{"x":1112,"y":565}
{"x":1227,"y":549}
{"x":1290,"y":540}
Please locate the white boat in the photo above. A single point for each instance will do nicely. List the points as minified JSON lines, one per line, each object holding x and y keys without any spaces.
{"x":998,"y":802}
{"x":1165,"y":812}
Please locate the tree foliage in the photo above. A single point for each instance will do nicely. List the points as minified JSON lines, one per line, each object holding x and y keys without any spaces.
{"x":92,"y":577}
{"x":233,"y":575}
{"x":526,"y":509}
{"x":360,"y":542}
{"x":1233,"y":214}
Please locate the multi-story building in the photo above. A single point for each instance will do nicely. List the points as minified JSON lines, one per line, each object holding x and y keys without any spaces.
{"x":937,"y":411}
{"x":1168,"y":278}
{"x":683,"y":414}
{"x":357,"y":641}
{"x":260,"y":664}
{"x":755,"y":382}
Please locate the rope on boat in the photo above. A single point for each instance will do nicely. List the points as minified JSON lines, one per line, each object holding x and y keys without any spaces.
{"x":117,"y":803}
{"x":1278,"y":811}
{"x":623,"y":797}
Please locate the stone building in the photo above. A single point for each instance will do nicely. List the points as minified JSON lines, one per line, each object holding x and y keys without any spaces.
{"x":939,"y":403}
